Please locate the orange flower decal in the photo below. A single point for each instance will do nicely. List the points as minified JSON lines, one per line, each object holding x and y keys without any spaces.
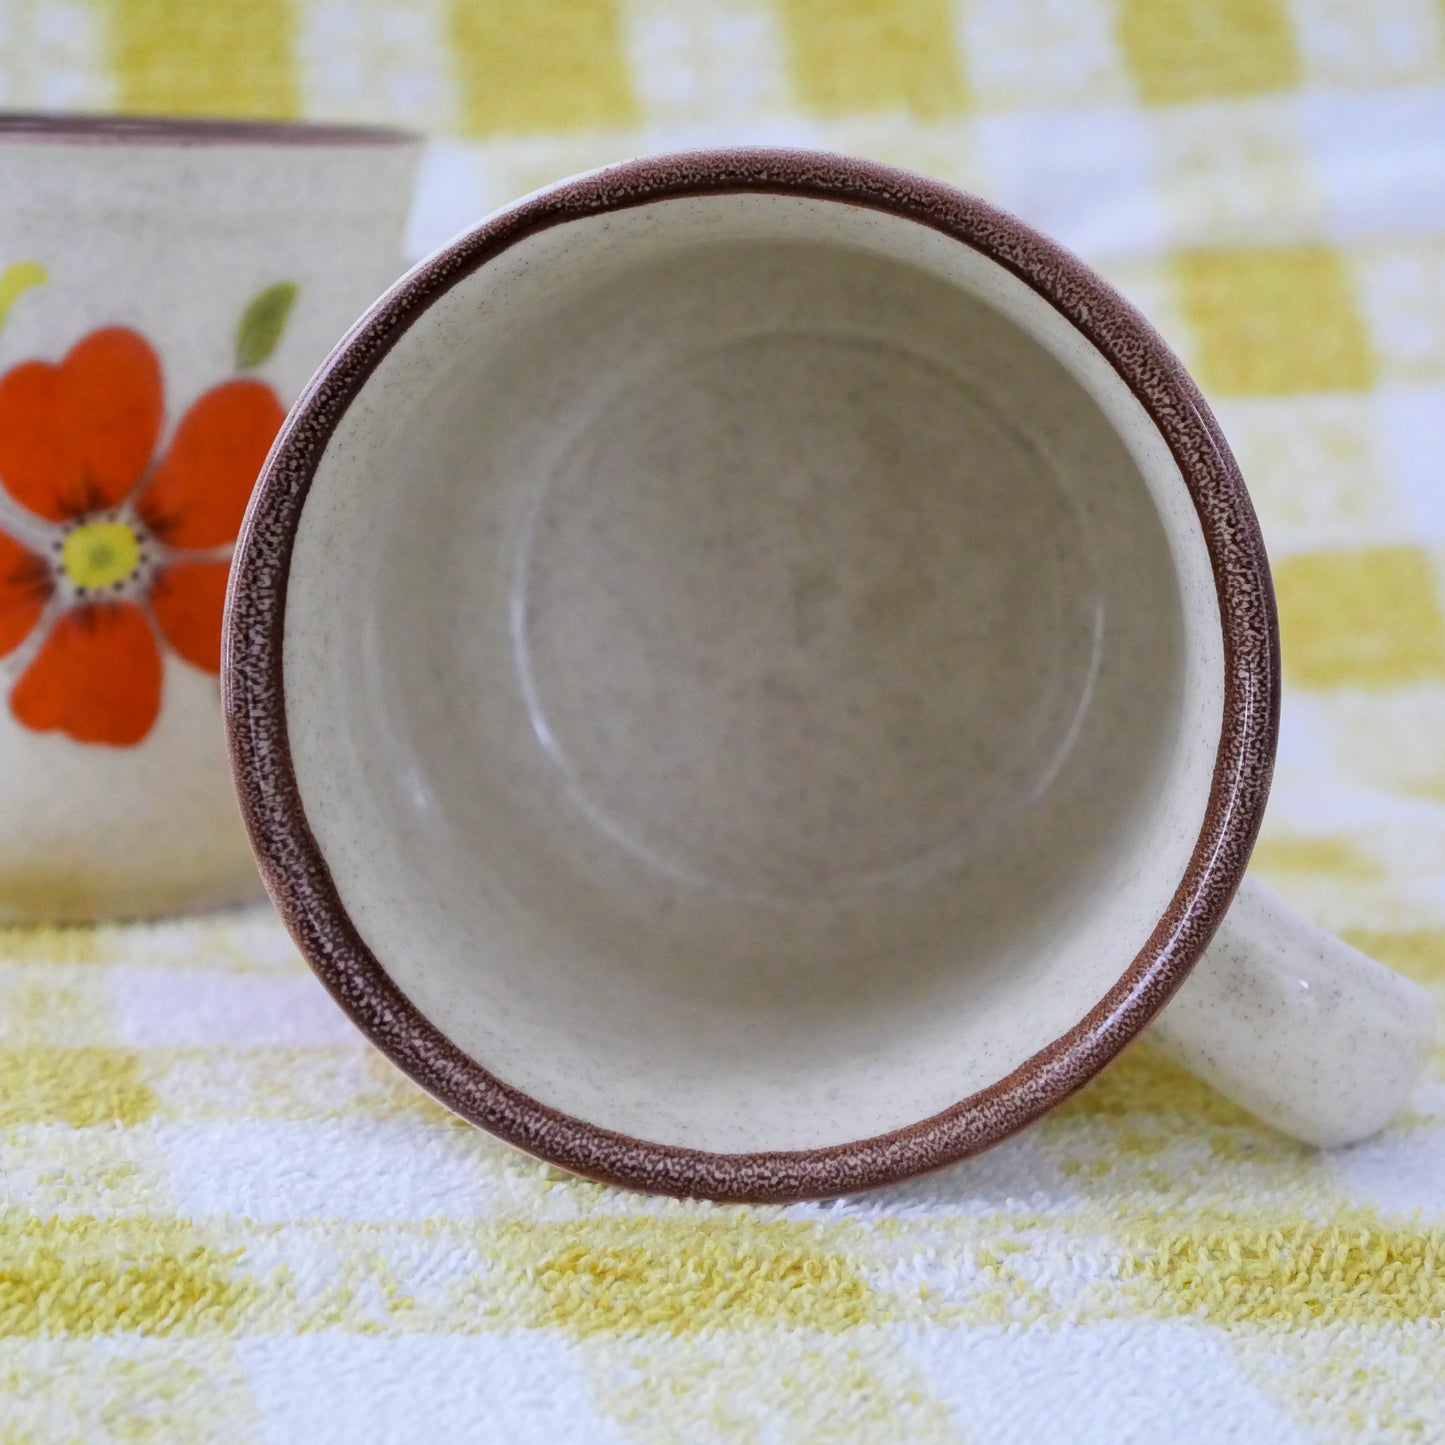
{"x":110,"y":553}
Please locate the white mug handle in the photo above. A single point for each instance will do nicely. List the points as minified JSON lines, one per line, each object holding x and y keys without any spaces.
{"x":1296,"y":1026}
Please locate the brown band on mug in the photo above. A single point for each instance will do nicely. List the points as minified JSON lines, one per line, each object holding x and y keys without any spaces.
{"x":191,"y":131}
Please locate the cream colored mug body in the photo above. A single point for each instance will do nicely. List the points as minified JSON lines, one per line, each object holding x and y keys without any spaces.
{"x":166,"y":288}
{"x":808,"y":701}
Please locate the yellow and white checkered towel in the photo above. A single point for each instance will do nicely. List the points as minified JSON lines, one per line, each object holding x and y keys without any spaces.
{"x":226,"y":1220}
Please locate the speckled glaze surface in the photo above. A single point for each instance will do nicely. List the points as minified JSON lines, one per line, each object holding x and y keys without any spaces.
{"x":291,"y":764}
{"x":166,"y":288}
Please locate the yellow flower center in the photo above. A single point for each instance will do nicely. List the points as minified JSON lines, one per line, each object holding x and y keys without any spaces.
{"x":100,"y":554}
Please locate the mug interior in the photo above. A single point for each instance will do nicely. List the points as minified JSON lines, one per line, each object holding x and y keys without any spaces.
{"x":752,"y":670}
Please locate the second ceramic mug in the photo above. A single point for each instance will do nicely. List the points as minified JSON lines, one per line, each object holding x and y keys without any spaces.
{"x":755,"y":674}
{"x":166,"y":287}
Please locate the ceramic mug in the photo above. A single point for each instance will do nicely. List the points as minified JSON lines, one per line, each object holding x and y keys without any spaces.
{"x":166,"y":287}
{"x":754,"y":674}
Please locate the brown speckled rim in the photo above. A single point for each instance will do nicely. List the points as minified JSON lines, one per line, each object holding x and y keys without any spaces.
{"x":296,"y":872}
{"x":160,"y":130}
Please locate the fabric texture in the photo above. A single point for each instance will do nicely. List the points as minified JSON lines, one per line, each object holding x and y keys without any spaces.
{"x":225,"y":1219}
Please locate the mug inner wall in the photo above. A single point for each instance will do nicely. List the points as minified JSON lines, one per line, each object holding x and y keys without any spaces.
{"x":752,"y":669}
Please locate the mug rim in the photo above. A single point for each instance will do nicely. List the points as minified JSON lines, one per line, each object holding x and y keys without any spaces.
{"x":115,"y":128}
{"x":295,"y":870}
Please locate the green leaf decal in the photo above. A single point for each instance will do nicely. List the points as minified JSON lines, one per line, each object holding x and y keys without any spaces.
{"x":262,"y":323}
{"x":16,"y":279}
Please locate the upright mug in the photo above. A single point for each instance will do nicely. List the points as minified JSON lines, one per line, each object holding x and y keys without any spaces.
{"x":166,"y":288}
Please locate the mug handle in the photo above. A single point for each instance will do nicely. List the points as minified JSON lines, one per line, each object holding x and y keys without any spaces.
{"x":1296,"y":1026}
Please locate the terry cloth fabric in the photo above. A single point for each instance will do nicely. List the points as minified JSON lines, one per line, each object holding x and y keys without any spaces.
{"x":226,"y":1220}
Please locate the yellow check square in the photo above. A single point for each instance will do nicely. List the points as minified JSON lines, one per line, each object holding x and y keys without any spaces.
{"x":1367,"y":617}
{"x":223,"y":57}
{"x":865,"y":55}
{"x":524,"y":67}
{"x":1183,"y":50}
{"x":1274,"y":321}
